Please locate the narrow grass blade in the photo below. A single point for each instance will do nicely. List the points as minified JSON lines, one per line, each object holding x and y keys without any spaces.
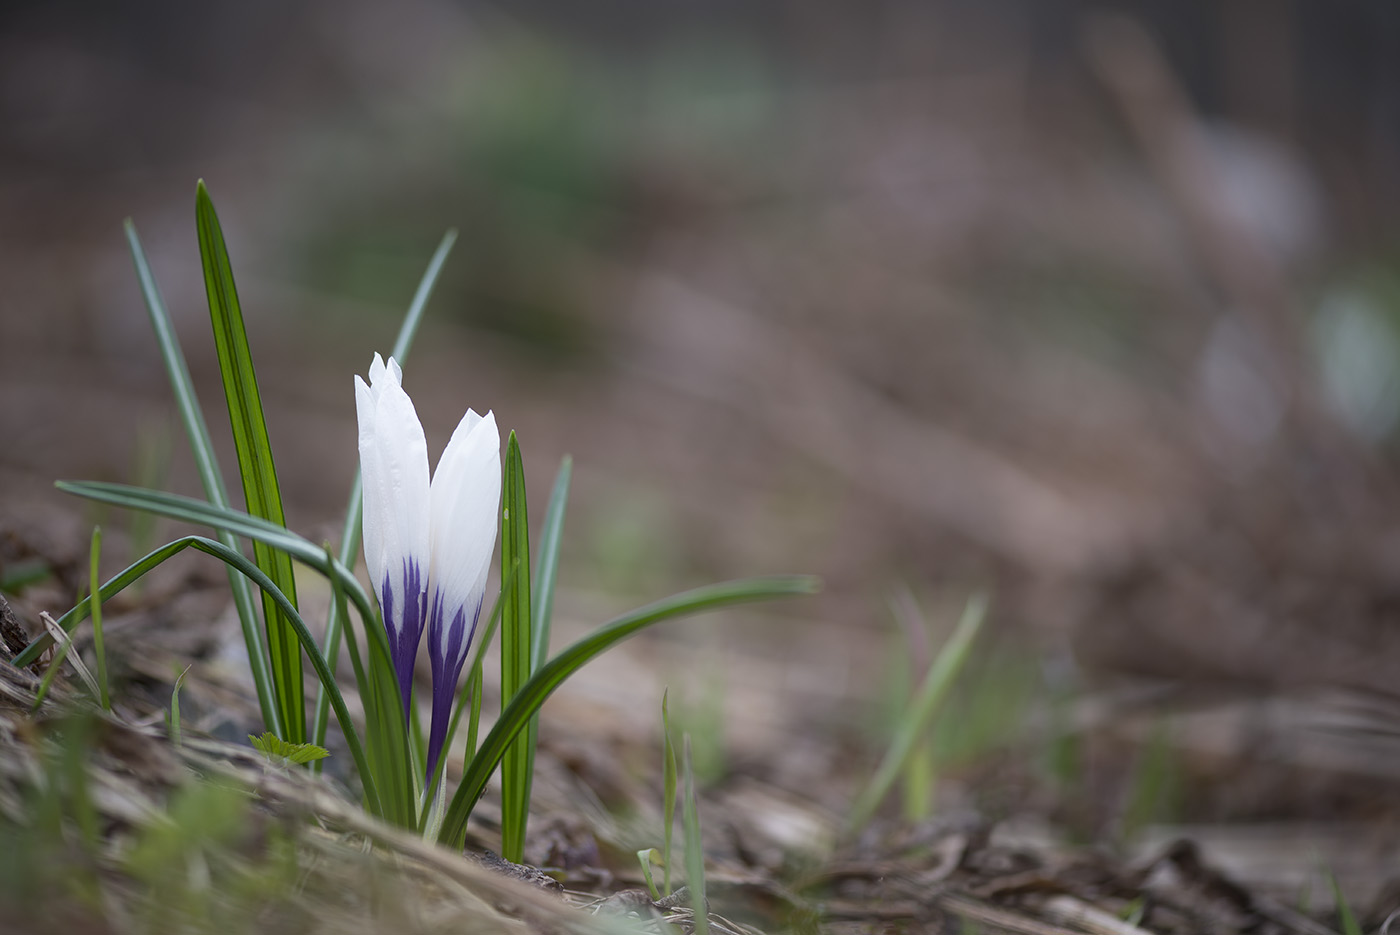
{"x":917,"y":783}
{"x":914,"y":724}
{"x":208,"y":466}
{"x":542,"y":612}
{"x":350,"y":535}
{"x":668,"y":787}
{"x":417,"y":744}
{"x":409,"y":329}
{"x":1345,"y":917}
{"x":473,"y":694}
{"x":516,"y":656}
{"x":114,"y":586}
{"x":176,"y":737}
{"x":552,"y":674}
{"x":472,"y":689}
{"x":384,"y":731}
{"x":255,"y":464}
{"x":151,"y":469}
{"x":200,"y":513}
{"x":335,"y":618}
{"x":64,"y":804}
{"x":694,"y":848}
{"x":547,"y":568}
{"x":99,"y":649}
{"x":1153,"y":789}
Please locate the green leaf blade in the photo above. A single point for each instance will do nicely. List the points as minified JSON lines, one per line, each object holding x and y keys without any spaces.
{"x":547,"y":568}
{"x":255,"y":464}
{"x":225,"y":519}
{"x":98,"y":643}
{"x":516,"y":656}
{"x":694,"y":847}
{"x":668,"y":787}
{"x":552,"y":674}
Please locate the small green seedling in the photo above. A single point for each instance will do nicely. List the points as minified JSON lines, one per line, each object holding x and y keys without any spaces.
{"x":281,"y":753}
{"x":914,"y":723}
{"x":647,"y":855}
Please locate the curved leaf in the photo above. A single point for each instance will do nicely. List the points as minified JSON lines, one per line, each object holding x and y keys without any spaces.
{"x":237,"y":560}
{"x":202,"y":513}
{"x":532,"y":695}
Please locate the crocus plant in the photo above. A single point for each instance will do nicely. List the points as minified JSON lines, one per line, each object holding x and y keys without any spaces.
{"x":428,"y":543}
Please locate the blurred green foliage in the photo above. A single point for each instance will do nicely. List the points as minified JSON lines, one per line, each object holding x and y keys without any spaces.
{"x":553,"y":161}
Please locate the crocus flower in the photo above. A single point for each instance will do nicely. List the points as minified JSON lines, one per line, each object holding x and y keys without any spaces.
{"x":428,"y":543}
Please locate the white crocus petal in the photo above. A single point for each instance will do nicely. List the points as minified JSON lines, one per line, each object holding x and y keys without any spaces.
{"x":394,"y":471}
{"x":465,"y":501}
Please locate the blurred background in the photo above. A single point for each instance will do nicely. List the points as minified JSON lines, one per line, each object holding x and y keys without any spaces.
{"x":1093,"y":306}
